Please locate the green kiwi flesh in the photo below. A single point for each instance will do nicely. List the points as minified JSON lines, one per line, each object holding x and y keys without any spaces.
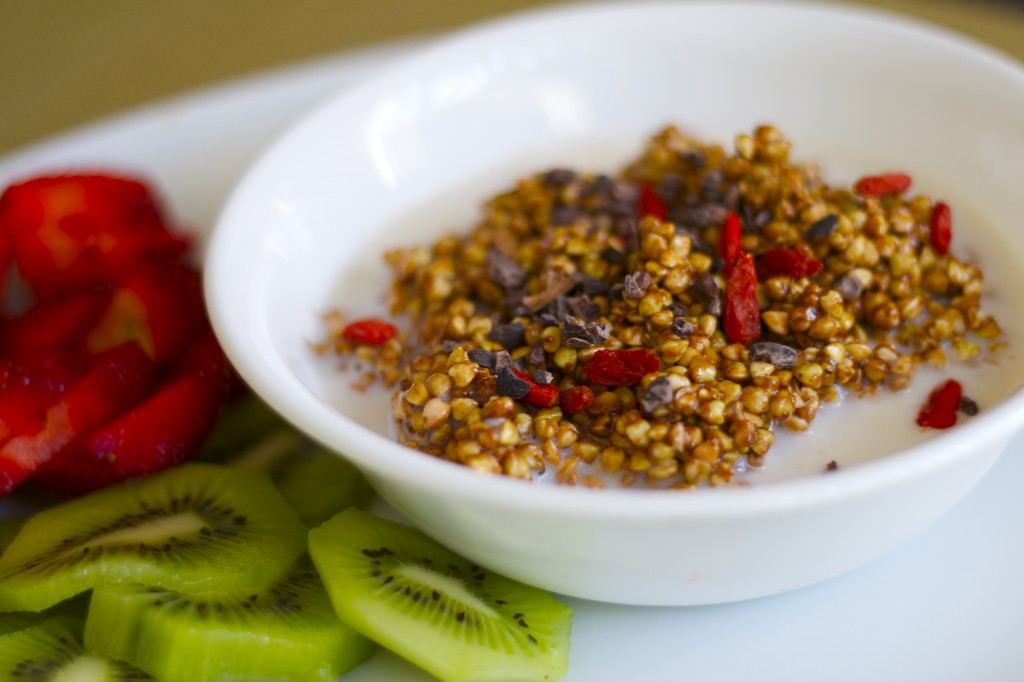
{"x":53,"y":651}
{"x":242,"y":423}
{"x":194,"y":527}
{"x":315,"y":482}
{"x":74,"y":608}
{"x":9,"y":527}
{"x":436,"y":609}
{"x":286,"y":631}
{"x":19,"y":620}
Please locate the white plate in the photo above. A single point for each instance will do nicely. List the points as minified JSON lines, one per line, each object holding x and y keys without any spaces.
{"x":947,"y":606}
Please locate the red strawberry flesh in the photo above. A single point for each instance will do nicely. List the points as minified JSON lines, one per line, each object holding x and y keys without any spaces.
{"x":164,"y":429}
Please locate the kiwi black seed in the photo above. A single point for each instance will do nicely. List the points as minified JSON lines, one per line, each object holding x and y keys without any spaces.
{"x":447,"y":615}
{"x":53,"y":650}
{"x":314,"y":481}
{"x":285,"y":631}
{"x":195,"y":527}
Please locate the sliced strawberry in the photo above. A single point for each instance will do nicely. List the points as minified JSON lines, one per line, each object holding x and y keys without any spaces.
{"x":28,"y":205}
{"x":6,"y":257}
{"x":61,"y":321}
{"x":161,"y":308}
{"x":30,"y":381}
{"x":83,"y":230}
{"x":76,"y":252}
{"x":166,"y":428}
{"x":115,"y":381}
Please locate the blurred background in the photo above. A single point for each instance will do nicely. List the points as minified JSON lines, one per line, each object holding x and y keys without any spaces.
{"x":64,"y":63}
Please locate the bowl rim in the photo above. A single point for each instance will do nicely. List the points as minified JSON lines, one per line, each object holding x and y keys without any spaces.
{"x":341,"y":433}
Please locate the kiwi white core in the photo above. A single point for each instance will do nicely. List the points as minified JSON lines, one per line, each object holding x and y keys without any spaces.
{"x":269,"y":450}
{"x":83,"y":669}
{"x":454,"y":588}
{"x":163,"y":528}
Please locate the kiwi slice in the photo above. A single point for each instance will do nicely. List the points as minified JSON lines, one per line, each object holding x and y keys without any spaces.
{"x":315,"y":482}
{"x":74,"y":608}
{"x":285,"y":631}
{"x":53,"y":651}
{"x":195,"y":527}
{"x":242,"y":423}
{"x":19,"y":620}
{"x":436,"y":609}
{"x":9,"y":527}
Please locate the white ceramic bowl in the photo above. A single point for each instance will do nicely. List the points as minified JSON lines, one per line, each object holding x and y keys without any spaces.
{"x":414,"y":152}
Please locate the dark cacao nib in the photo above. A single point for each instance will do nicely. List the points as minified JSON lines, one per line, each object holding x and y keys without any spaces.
{"x":580,"y":335}
{"x":537,"y":356}
{"x":509,"y":336}
{"x":711,"y":183}
{"x":542,"y":376}
{"x":626,"y":193}
{"x":682,"y":327}
{"x":669,"y":187}
{"x":508,"y":384}
{"x":582,"y":307}
{"x":626,"y":227}
{"x":848,"y":287}
{"x":599,"y":331}
{"x":823,"y":228}
{"x":754,"y":220}
{"x":779,"y":354}
{"x":694,"y":157}
{"x":565,"y":215}
{"x":592,"y":286}
{"x":968,"y":406}
{"x":731,"y":198}
{"x":547,"y":319}
{"x":559,"y":177}
{"x":612,"y":255}
{"x":636,"y":284}
{"x":658,"y":393}
{"x":575,"y":333}
{"x":484,"y":358}
{"x":502,"y":360}
{"x":504,"y":270}
{"x":700,"y":216}
{"x":708,"y":294}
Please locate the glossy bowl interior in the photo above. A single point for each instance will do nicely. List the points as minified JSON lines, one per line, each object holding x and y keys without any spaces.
{"x":412,"y":154}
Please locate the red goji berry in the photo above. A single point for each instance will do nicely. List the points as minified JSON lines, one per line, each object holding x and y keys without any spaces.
{"x":650,"y":204}
{"x":941,"y":228}
{"x":881,"y":185}
{"x":620,"y":367}
{"x":729,"y":247}
{"x":539,"y":395}
{"x":741,"y":313}
{"x":372,"y":332}
{"x":786,"y":262}
{"x":542,"y":395}
{"x":940,"y":410}
{"x":575,"y":399}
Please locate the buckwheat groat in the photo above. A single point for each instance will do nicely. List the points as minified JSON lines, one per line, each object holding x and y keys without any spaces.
{"x":655,"y":327}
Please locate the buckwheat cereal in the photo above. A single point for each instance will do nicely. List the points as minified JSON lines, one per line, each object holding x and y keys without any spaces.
{"x":654,"y":328}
